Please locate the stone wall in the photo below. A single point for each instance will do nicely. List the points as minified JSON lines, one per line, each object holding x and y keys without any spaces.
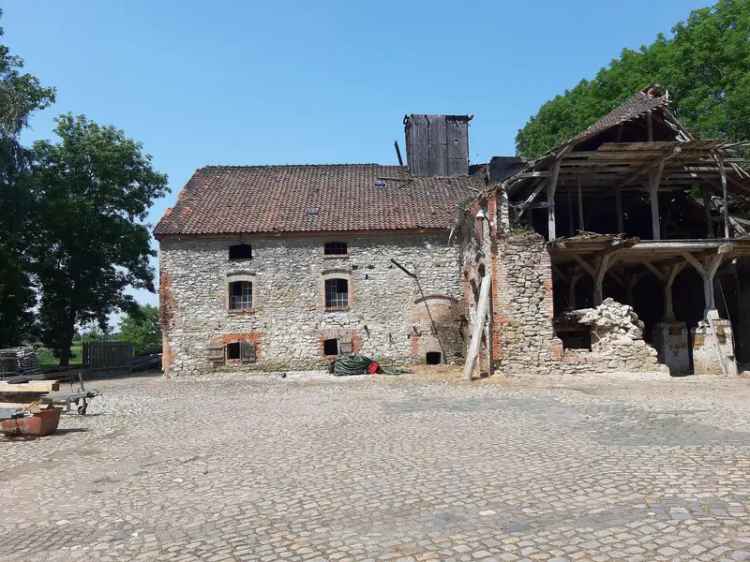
{"x":523,"y":336}
{"x":387,"y":317}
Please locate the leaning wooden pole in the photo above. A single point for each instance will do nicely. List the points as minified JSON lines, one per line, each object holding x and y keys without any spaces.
{"x":479,"y":321}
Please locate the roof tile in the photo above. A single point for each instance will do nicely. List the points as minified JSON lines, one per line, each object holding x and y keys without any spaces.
{"x":314,"y":198}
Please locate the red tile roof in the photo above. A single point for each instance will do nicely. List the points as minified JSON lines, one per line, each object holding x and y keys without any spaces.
{"x":314,"y":198}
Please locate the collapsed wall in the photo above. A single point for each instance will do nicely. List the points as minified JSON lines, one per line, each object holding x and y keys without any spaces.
{"x":524,"y":340}
{"x":617,"y":342}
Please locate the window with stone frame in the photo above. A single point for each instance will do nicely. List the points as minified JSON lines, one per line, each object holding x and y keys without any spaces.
{"x":242,"y":351}
{"x":337,"y":294}
{"x":240,"y":252}
{"x":335,"y":249}
{"x":240,"y":295}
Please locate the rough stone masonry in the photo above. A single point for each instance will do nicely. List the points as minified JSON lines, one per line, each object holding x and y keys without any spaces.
{"x":386,"y":318}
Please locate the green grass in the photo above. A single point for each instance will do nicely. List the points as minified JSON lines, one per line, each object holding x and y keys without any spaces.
{"x":47,"y":360}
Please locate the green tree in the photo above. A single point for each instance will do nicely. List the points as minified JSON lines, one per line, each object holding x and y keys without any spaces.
{"x":705,"y":65}
{"x":20,"y":95}
{"x":141,"y":328}
{"x":93,"y":190}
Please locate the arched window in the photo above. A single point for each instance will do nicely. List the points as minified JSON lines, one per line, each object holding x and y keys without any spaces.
{"x":335,"y":249}
{"x":337,"y":294}
{"x":240,"y":295}
{"x":240,"y":252}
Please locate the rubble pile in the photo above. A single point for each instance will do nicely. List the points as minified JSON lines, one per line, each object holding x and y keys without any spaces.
{"x":617,"y":342}
{"x":612,"y":323}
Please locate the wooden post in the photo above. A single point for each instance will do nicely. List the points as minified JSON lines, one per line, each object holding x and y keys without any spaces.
{"x":618,"y":210}
{"x":653,"y":190}
{"x":571,"y":227}
{"x":551,"y":189}
{"x":488,"y":261}
{"x":605,"y":262}
{"x":481,"y":317}
{"x":572,"y":289}
{"x":668,"y":303}
{"x":707,"y":209}
{"x":707,"y":271}
{"x":725,"y":210}
{"x":580,"y":206}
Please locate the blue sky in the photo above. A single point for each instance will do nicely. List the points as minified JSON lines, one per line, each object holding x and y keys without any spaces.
{"x":280,"y":82}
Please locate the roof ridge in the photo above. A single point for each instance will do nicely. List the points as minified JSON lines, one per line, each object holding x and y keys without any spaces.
{"x":338,"y":165}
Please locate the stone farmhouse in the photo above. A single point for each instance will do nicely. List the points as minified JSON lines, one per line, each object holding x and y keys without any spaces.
{"x":616,"y":250}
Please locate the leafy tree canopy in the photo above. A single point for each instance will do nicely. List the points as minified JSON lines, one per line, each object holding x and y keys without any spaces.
{"x":705,"y":65}
{"x":141,"y":328}
{"x":93,"y":189}
{"x":20,"y":95}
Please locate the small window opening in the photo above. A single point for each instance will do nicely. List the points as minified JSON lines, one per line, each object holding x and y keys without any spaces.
{"x":337,"y":294}
{"x":331,"y":347}
{"x":240,"y":295}
{"x":240,"y":252}
{"x":335,"y":249}
{"x":433,"y":358}
{"x":248,"y":352}
{"x":233,"y":351}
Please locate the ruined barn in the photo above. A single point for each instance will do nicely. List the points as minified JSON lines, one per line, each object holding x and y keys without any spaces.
{"x":617,"y":250}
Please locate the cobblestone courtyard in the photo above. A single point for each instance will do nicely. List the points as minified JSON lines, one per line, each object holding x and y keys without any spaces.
{"x":402,"y":468}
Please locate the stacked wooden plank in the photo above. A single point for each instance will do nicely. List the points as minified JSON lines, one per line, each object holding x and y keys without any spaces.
{"x":26,"y":395}
{"x":18,"y":361}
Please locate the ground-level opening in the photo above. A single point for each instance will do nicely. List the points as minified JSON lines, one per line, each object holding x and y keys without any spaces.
{"x":433,"y":357}
{"x":331,"y":346}
{"x":233,"y":350}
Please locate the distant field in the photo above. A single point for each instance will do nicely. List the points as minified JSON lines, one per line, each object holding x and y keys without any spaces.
{"x":47,"y":360}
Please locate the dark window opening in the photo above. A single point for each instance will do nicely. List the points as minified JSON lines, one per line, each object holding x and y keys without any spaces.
{"x":240,"y":252}
{"x":335,"y":249}
{"x":331,"y":347}
{"x":337,"y":294}
{"x":240,"y":295}
{"x":233,"y":351}
{"x":433,"y":358}
{"x":247,"y":352}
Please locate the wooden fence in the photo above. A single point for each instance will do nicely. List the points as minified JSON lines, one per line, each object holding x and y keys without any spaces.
{"x":97,"y":355}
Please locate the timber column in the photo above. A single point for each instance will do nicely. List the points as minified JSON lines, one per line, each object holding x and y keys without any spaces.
{"x":713,"y":341}
{"x":670,"y":337}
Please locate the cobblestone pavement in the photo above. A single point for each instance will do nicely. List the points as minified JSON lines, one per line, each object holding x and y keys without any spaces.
{"x":232,"y":467}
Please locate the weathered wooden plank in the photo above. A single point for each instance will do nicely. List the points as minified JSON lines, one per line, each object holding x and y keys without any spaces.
{"x":39,"y":387}
{"x":458,"y":143}
{"x":438,"y":139}
{"x":481,"y":318}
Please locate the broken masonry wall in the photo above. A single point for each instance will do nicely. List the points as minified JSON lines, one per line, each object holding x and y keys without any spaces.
{"x":166,"y":317}
{"x":524,"y":341}
{"x":387,"y":317}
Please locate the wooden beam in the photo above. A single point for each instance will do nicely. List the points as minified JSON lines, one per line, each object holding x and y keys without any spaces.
{"x":658,"y":274}
{"x":725,"y":210}
{"x":618,"y":210}
{"x":481,"y":318}
{"x":669,"y":282}
{"x":551,"y":189}
{"x":35,"y":387}
{"x":537,"y":190}
{"x":707,"y":210}
{"x":654,"y":180}
{"x":580,"y":207}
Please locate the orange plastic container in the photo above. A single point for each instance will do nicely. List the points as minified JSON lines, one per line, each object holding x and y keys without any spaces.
{"x":39,"y":424}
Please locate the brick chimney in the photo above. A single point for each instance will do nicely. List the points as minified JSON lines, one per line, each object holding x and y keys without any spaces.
{"x":437,"y":145}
